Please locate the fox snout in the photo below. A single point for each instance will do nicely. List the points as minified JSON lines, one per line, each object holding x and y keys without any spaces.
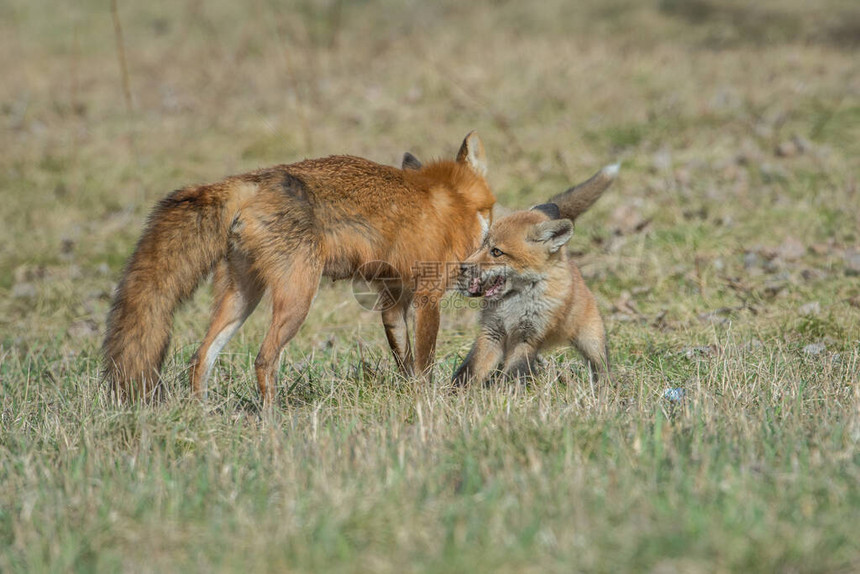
{"x":469,"y":280}
{"x":477,"y":280}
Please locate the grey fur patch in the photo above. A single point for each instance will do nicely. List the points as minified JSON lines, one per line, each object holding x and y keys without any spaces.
{"x":294,"y":186}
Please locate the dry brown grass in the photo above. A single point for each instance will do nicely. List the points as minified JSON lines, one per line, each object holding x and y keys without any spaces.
{"x":724,"y":260}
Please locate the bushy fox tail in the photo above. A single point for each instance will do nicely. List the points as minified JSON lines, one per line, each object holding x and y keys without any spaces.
{"x":579,"y":198}
{"x":185,"y":236}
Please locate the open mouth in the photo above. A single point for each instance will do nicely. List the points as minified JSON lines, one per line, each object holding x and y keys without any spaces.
{"x":476,"y":289}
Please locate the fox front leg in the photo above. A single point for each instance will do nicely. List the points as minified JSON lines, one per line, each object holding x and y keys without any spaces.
{"x":484,"y":358}
{"x":426,"y":329}
{"x":394,"y":319}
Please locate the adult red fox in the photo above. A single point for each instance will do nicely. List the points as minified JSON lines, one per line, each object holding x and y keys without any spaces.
{"x":535,"y":298}
{"x":279,"y":230}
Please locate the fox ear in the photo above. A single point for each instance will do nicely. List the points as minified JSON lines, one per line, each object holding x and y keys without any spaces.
{"x":472,"y":154}
{"x":410,"y":162}
{"x":554,"y":234}
{"x":548,"y":209}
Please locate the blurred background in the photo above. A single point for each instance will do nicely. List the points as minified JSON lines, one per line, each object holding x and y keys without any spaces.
{"x":736,"y":124}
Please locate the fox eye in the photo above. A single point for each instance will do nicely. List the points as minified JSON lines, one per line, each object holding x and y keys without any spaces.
{"x":496,"y":252}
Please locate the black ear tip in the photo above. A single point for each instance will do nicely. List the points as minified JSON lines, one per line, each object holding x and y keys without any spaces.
{"x":410,"y":162}
{"x":549,"y":209}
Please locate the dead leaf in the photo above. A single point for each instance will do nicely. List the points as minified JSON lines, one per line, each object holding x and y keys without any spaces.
{"x":852,"y":262}
{"x":815,"y":349}
{"x":773,"y":288}
{"x":627,"y":219}
{"x":83,"y":328}
{"x":790,"y":249}
{"x":811,"y":308}
{"x":787,"y":149}
{"x":24,"y":290}
{"x":625,"y":304}
{"x":699,"y":351}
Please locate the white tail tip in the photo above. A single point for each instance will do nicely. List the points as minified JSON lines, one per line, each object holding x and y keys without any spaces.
{"x":611,"y":171}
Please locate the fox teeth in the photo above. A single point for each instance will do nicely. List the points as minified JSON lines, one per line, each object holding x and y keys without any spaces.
{"x":495,"y":287}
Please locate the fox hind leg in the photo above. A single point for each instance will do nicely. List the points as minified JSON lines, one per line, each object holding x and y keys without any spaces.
{"x":596,"y":355}
{"x":293,"y":290}
{"x":237,"y":293}
{"x":521,"y":363}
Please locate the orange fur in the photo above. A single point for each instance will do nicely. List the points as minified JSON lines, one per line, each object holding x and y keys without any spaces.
{"x":280,"y":229}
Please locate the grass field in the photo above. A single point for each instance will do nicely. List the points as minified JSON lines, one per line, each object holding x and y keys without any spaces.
{"x":726,"y":261}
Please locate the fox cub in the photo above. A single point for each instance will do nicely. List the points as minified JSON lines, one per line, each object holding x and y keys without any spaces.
{"x":535,"y":297}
